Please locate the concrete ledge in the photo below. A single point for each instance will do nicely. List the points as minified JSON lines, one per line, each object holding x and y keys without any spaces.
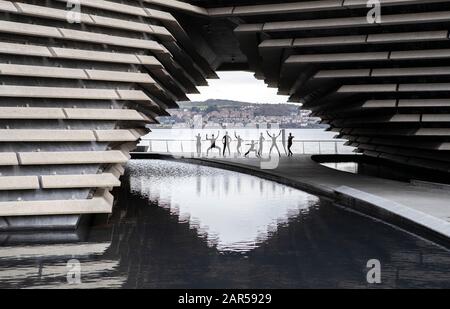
{"x":386,"y":208}
{"x":8,"y":159}
{"x":79,"y":74}
{"x":40,"y":135}
{"x":179,"y":5}
{"x":91,"y":55}
{"x":19,"y":183}
{"x":31,"y":113}
{"x":29,"y":29}
{"x":57,"y":93}
{"x":24,"y":49}
{"x":7,"y":6}
{"x":342,"y":57}
{"x":115,"y":136}
{"x":301,"y":7}
{"x":72,"y":157}
{"x":103,"y":114}
{"x":112,"y":6}
{"x":49,"y":224}
{"x":100,"y":38}
{"x":97,"y":205}
{"x":106,"y":180}
{"x":380,"y":104}
{"x":424,"y":103}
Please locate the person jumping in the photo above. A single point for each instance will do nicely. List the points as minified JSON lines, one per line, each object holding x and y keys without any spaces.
{"x":274,"y":143}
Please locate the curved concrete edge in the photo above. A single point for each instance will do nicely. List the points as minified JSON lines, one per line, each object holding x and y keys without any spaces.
{"x":401,"y":216}
{"x":393,"y":212}
{"x":323,"y":191}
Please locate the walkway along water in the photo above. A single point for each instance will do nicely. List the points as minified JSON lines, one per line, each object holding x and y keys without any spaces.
{"x":422,"y":210}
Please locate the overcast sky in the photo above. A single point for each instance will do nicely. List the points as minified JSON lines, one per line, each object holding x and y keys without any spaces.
{"x":238,"y":86}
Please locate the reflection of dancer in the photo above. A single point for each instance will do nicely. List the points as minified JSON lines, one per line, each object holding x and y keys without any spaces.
{"x":290,"y":142}
{"x":261,"y":144}
{"x":199,"y":144}
{"x":213,"y":143}
{"x":226,"y":140}
{"x":274,"y":143}
{"x":252,"y":149}
{"x":283,"y":140}
{"x":239,"y":143}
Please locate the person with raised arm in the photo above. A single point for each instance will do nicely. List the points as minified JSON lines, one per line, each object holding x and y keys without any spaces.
{"x":226,"y":140}
{"x":274,"y":143}
{"x":290,"y":142}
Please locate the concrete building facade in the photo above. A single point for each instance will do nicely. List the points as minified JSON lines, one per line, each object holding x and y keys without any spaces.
{"x":81,"y":79}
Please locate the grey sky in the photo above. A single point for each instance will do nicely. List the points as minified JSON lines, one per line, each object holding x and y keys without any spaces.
{"x":238,"y":86}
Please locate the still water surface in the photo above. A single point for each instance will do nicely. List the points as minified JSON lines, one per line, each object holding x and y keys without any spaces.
{"x":184,"y":226}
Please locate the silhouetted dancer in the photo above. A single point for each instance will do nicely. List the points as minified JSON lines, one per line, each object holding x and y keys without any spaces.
{"x":283,"y":140}
{"x":226,"y":140}
{"x":261,"y":144}
{"x":239,"y":143}
{"x":199,"y":144}
{"x":252,"y":149}
{"x":274,"y":143}
{"x":213,"y":143}
{"x":290,"y":142}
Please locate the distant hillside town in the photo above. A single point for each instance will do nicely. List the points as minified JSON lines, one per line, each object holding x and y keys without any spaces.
{"x":233,"y":114}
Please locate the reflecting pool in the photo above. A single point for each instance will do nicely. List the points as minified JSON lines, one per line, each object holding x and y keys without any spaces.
{"x":177,"y":225}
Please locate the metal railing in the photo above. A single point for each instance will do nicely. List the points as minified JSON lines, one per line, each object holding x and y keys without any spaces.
{"x":334,"y":146}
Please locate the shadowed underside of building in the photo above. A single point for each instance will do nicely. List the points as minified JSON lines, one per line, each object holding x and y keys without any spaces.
{"x":75,"y":97}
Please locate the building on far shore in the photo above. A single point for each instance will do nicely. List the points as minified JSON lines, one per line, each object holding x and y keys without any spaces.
{"x":232,"y":114}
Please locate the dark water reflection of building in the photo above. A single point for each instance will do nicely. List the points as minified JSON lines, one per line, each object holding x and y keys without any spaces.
{"x":152,"y":242}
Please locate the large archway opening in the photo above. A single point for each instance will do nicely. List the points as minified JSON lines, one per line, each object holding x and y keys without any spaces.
{"x":242,"y":107}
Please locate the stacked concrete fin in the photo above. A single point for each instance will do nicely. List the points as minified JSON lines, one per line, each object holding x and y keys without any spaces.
{"x":383,"y":84}
{"x":76,"y":94}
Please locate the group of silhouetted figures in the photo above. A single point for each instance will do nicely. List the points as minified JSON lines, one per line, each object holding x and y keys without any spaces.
{"x":255,"y":147}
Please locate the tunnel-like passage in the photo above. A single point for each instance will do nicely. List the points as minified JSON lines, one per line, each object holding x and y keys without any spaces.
{"x":80,"y":82}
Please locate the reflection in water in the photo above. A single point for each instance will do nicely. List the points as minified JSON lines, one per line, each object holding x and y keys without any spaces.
{"x":45,"y":266}
{"x":185,"y":226}
{"x":227,"y":219}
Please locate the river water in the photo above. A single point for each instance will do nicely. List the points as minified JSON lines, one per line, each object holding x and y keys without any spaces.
{"x":185,"y":226}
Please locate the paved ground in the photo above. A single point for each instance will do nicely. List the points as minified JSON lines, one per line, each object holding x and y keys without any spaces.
{"x":428,"y":207}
